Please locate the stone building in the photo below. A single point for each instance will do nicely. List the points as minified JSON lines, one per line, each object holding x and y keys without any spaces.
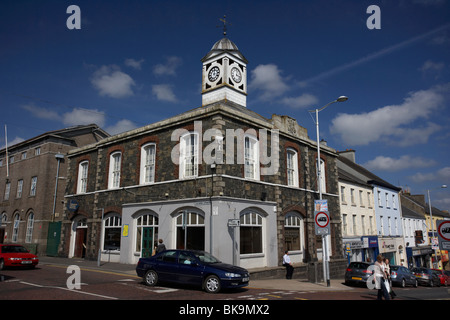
{"x":32,"y":185}
{"x":220,"y":178}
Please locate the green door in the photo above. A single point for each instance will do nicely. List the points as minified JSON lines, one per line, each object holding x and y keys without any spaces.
{"x":147,"y":242}
{"x":53,"y":238}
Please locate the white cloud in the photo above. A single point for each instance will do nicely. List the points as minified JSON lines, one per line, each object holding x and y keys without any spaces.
{"x":169,"y":68}
{"x":440,"y":175}
{"x":136,"y":64}
{"x":389,"y":123}
{"x":268,"y":79}
{"x":432,"y":68}
{"x":12,"y":142}
{"x":121,"y":126}
{"x":41,"y":113}
{"x":112,"y":82}
{"x":79,"y":116}
{"x":164,"y":92}
{"x":402,"y":163}
{"x":305,"y":100}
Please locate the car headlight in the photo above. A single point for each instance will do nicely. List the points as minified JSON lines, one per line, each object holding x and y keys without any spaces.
{"x":232,"y":275}
{"x":15,"y":259}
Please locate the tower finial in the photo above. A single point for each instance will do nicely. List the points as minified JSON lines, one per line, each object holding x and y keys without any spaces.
{"x":225,"y":23}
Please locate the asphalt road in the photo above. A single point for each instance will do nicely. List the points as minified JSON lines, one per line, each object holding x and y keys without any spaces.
{"x":57,"y":282}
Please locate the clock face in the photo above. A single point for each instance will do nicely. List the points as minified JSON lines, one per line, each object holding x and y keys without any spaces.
{"x":236,"y":75}
{"x":213,"y":74}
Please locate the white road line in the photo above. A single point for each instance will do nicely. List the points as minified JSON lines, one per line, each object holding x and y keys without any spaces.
{"x":71,"y":290}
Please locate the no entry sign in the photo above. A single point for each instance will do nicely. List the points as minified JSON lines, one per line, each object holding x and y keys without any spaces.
{"x":443,"y":228}
{"x":321,"y":222}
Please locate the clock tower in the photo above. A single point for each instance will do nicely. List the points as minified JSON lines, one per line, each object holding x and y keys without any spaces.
{"x":224,"y":75}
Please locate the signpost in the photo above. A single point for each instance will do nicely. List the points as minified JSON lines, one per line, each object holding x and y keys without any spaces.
{"x":322,"y":227}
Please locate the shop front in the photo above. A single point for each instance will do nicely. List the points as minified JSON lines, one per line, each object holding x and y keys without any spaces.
{"x":393,"y":248}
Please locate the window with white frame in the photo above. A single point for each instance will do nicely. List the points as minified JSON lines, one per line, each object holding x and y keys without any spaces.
{"x":112,"y":227}
{"x":114,"y":170}
{"x":146,"y":234}
{"x":190,"y":231}
{"x":293,"y":232}
{"x":15,"y":235}
{"x":33,"y":186}
{"x":19,"y":188}
{"x":7,"y":190}
{"x":83,"y":169}
{"x":292,"y":167}
{"x":148,"y":161}
{"x":251,"y":158}
{"x":251,"y":239}
{"x":343,"y":195}
{"x":344,"y":224}
{"x":30,"y":225}
{"x":189,"y":155}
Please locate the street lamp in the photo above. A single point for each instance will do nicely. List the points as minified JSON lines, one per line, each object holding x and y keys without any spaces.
{"x":435,"y":264}
{"x":325,"y":258}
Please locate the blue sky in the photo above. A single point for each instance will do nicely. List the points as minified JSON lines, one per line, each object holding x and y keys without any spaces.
{"x":137,"y":62}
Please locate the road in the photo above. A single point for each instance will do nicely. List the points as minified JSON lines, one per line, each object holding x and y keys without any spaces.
{"x":56,"y":282}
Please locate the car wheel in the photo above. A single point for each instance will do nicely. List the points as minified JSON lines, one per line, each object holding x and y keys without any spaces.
{"x":416,"y":284}
{"x":403,"y":283}
{"x":212,"y":284}
{"x":2,"y":264}
{"x":151,"y":278}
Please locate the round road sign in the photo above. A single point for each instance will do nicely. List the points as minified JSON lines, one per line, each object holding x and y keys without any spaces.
{"x":322,"y":219}
{"x":444,"y":230}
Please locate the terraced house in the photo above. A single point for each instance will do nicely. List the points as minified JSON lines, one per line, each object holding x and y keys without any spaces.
{"x":220,"y":177}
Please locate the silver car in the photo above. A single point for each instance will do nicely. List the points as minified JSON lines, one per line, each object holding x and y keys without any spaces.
{"x":402,"y":276}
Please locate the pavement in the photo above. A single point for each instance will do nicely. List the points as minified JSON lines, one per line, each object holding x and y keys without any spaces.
{"x":130,"y":270}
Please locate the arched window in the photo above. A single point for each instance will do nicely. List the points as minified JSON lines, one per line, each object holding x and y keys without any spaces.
{"x":82,"y":177}
{"x":292,"y":167}
{"x":115,"y":161}
{"x":148,"y":161}
{"x":251,"y":158}
{"x":190,"y":231}
{"x":251,"y":240}
{"x":293,"y":232}
{"x":111,"y":230}
{"x":189,"y":155}
{"x":30,"y":224}
{"x":15,"y":234}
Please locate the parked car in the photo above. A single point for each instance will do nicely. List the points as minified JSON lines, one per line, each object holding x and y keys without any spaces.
{"x":443,"y":277}
{"x":402,"y":276}
{"x":15,"y":255}
{"x":357,"y":273}
{"x":426,"y":276}
{"x":191,"y":267}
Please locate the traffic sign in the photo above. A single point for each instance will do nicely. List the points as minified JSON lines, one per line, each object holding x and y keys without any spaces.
{"x":322,"y":221}
{"x":443,"y":229}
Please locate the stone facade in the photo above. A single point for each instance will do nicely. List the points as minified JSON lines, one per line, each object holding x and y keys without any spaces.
{"x":26,"y":215}
{"x":214,"y":192}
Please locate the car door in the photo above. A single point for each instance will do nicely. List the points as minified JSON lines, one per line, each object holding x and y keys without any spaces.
{"x":190,"y":270}
{"x":410,"y":279}
{"x":167,"y":266}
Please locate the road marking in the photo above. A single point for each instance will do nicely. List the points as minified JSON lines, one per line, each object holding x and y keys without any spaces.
{"x":70,"y":290}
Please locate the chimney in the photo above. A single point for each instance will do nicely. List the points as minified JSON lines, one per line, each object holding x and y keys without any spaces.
{"x":348,"y":154}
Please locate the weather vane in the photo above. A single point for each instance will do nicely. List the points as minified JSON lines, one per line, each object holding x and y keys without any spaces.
{"x":225,"y":23}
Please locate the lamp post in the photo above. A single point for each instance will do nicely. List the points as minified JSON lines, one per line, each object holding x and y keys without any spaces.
{"x":326,"y":273}
{"x":435,"y":264}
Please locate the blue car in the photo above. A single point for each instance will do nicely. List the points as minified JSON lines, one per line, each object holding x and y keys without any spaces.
{"x":191,"y":267}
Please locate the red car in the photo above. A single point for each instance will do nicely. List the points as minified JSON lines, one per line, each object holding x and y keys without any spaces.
{"x":442,"y":276}
{"x":15,"y":255}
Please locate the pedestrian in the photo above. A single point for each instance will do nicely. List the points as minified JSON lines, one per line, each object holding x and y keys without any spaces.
{"x":161,"y":247}
{"x":380,"y":277}
{"x":388,"y":276}
{"x":288,"y":265}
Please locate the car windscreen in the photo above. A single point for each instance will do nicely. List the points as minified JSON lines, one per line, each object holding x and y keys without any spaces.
{"x":14,"y":249}
{"x":205,"y":257}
